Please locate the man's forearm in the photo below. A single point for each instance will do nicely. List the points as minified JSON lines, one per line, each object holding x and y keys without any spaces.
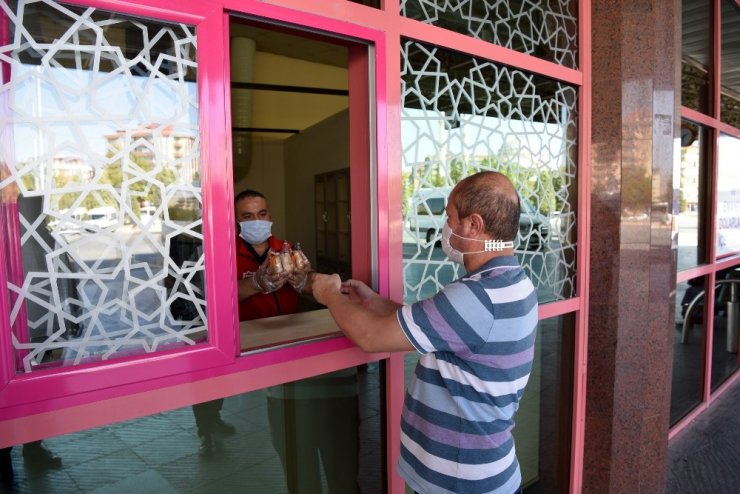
{"x":383,"y":306}
{"x":370,"y":330}
{"x":246,"y":289}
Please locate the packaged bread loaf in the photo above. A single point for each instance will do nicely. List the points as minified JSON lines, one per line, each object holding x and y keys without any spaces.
{"x":275,"y":263}
{"x":286,"y":258}
{"x":300,"y":261}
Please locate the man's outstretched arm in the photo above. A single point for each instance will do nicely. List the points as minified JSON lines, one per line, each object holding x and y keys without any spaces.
{"x":367,"y":319}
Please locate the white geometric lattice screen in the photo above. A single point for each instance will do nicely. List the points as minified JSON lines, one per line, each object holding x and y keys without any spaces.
{"x":547,"y":30}
{"x":462,"y":115}
{"x":100,"y":183}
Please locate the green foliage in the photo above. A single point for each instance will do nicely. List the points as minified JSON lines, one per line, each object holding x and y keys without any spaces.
{"x":406,"y":189}
{"x":542,"y":187}
{"x":115,"y":181}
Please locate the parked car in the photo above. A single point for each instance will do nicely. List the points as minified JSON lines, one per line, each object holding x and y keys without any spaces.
{"x":102,"y":217}
{"x":534,"y":227}
{"x":71,"y":225}
{"x":426,"y":215}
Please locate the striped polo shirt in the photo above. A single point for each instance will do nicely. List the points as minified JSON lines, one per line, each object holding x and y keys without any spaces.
{"x":476,"y":337}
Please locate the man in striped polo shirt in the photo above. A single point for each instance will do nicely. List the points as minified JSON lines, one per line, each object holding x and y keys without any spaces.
{"x":476,"y":337}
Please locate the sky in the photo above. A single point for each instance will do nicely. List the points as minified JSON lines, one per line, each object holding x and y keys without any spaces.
{"x":65,"y":111}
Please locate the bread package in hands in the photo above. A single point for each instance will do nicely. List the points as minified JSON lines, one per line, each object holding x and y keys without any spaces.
{"x":275,"y":263}
{"x":286,"y":258}
{"x":300,"y":261}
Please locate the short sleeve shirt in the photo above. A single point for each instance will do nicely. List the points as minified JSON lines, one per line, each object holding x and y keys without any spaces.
{"x":476,"y":337}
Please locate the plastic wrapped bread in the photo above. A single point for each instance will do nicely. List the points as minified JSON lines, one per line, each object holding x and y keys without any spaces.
{"x":300,"y":261}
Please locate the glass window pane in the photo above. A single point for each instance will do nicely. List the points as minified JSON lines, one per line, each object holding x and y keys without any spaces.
{"x":101,"y":200}
{"x":728,"y":195}
{"x":696,"y":61}
{"x":291,"y":128}
{"x":730,"y":73}
{"x":692,"y":176}
{"x":726,"y":325}
{"x":322,"y":431}
{"x":327,"y":429}
{"x":688,"y":348}
{"x":547,"y":30}
{"x":462,"y":115}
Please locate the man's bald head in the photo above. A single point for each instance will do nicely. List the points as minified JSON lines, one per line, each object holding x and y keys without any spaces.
{"x":491,"y":195}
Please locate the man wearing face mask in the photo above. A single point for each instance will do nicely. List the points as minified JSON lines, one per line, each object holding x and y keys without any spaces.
{"x":476,"y":340}
{"x":261,"y":294}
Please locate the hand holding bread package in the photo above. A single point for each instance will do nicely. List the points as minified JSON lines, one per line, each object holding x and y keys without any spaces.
{"x":301,"y":268}
{"x":290,"y":264}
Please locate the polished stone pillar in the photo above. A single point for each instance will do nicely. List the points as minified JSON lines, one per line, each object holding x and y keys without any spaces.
{"x":635,"y":114}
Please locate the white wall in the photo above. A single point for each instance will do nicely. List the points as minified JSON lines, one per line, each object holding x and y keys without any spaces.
{"x":267,"y":175}
{"x":321,"y":148}
{"x":265,"y":168}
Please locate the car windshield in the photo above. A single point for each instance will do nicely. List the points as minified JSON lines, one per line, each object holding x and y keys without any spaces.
{"x":436,"y":205}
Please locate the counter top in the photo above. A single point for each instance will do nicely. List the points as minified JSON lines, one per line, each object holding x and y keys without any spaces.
{"x":289,"y":328}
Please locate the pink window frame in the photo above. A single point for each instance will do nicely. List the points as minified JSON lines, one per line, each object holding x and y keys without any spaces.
{"x":716,"y":263}
{"x":50,"y":389}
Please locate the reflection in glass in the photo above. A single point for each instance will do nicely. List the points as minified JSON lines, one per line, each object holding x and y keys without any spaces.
{"x":100,"y":185}
{"x":728,"y":195}
{"x":162,"y":450}
{"x":726,"y":325}
{"x":542,"y":432}
{"x":688,"y":348}
{"x":691,"y":198}
{"x":547,"y":30}
{"x":695,"y":58}
{"x":315,"y":429}
{"x":730,"y":76}
{"x":462,"y":115}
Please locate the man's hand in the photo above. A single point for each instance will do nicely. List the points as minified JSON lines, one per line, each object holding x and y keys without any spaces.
{"x":324,"y":285}
{"x":265,"y":281}
{"x":365,"y":317}
{"x":298,"y":280}
{"x":301,"y":275}
{"x":358,"y":292}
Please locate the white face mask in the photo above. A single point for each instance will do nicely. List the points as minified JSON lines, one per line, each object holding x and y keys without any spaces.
{"x":256,"y":231}
{"x":458,"y":257}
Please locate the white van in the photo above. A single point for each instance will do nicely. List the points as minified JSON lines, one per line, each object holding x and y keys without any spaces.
{"x":426,"y":215}
{"x":73,"y":225}
{"x":102,"y":217}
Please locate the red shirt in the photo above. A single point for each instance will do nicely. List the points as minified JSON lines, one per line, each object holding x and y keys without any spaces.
{"x":282,"y":301}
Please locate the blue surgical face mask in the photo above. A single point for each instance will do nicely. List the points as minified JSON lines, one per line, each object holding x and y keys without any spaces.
{"x":256,"y":231}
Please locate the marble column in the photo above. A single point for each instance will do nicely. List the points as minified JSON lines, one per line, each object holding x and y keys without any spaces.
{"x":635,"y":115}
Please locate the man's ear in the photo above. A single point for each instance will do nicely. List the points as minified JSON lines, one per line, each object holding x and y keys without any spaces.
{"x":477,"y":226}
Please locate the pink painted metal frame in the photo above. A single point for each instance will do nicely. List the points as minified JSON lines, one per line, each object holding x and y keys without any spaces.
{"x":51,"y":389}
{"x":142,"y":386}
{"x":714,"y":126}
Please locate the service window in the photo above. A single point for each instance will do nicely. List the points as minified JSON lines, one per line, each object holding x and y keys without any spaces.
{"x":292,"y":107}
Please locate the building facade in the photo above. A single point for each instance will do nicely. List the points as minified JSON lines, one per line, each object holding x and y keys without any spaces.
{"x":618,"y":122}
